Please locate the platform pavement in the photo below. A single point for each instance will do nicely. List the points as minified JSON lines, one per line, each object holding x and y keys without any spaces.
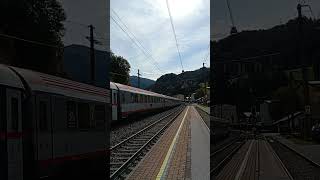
{"x":178,"y":158}
{"x":309,"y":151}
{"x":200,"y":147}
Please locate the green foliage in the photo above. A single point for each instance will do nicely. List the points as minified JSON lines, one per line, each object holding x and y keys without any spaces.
{"x":185,"y":83}
{"x":120,"y":69}
{"x":199,"y":93}
{"x":36,"y":20}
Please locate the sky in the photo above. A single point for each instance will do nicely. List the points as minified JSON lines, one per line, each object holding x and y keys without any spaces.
{"x":255,"y":14}
{"x":149,"y":22}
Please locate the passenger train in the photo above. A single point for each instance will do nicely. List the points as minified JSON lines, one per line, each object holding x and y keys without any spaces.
{"x":54,"y":127}
{"x":129,"y":101}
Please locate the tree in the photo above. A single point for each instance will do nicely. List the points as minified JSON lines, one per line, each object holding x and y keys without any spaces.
{"x":199,"y":93}
{"x":34,"y":20}
{"x":120,"y":69}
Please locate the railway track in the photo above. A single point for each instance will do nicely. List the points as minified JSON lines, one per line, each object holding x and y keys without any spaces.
{"x":221,"y":156}
{"x":125,"y":129}
{"x":126,"y":154}
{"x":299,"y":166}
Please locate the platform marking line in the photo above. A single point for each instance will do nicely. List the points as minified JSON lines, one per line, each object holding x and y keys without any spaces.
{"x":170,"y":151}
{"x":244,"y":163}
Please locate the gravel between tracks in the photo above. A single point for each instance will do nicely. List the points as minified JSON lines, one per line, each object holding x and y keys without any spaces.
{"x":124,"y":131}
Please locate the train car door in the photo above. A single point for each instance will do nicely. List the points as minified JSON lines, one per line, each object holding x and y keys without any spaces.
{"x":44,"y":134}
{"x":114,"y":105}
{"x":14,"y":134}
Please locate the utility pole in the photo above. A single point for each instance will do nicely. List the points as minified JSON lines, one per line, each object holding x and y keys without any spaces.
{"x":139,"y":78}
{"x":306,"y":122}
{"x":92,"y":55}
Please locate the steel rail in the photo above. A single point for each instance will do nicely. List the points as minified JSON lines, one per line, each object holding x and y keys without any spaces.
{"x":127,"y":163}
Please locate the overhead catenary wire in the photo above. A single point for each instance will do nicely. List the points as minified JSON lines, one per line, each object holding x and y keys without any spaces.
{"x":207,"y":54}
{"x":28,"y":41}
{"x":134,"y":42}
{"x":247,"y":59}
{"x":135,"y":45}
{"x":134,"y":37}
{"x":78,"y":23}
{"x":174,"y":33}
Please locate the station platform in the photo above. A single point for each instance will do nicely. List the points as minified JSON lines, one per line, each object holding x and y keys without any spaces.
{"x":182,"y":152}
{"x":309,"y":150}
{"x":254,"y":160}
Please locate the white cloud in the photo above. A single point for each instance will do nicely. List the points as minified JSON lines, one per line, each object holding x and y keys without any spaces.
{"x":149,"y":22}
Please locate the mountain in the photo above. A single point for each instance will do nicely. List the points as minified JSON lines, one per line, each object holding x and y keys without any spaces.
{"x":76,"y":62}
{"x":144,"y":82}
{"x":290,"y":45}
{"x":185,"y":83}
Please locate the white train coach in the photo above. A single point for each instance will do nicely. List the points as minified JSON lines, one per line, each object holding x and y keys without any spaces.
{"x":130,"y":101}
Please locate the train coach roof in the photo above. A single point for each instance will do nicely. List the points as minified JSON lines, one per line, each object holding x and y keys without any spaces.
{"x":9,"y":78}
{"x":47,"y":83}
{"x":123,"y":87}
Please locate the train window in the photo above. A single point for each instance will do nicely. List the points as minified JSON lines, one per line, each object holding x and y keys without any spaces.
{"x":99,"y":116}
{"x":84,"y":116}
{"x":14,"y":114}
{"x":132,"y":97}
{"x":92,"y":118}
{"x":71,"y":115}
{"x":43,"y":121}
{"x":136,"y":98}
{"x":123,"y":97}
{"x":114,"y":98}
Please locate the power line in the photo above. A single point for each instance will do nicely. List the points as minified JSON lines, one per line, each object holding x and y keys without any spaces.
{"x":29,"y":41}
{"x":114,"y":73}
{"x":139,"y":42}
{"x":132,"y":40}
{"x":248,"y":58}
{"x":75,"y":22}
{"x":207,"y":55}
{"x":174,"y":33}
